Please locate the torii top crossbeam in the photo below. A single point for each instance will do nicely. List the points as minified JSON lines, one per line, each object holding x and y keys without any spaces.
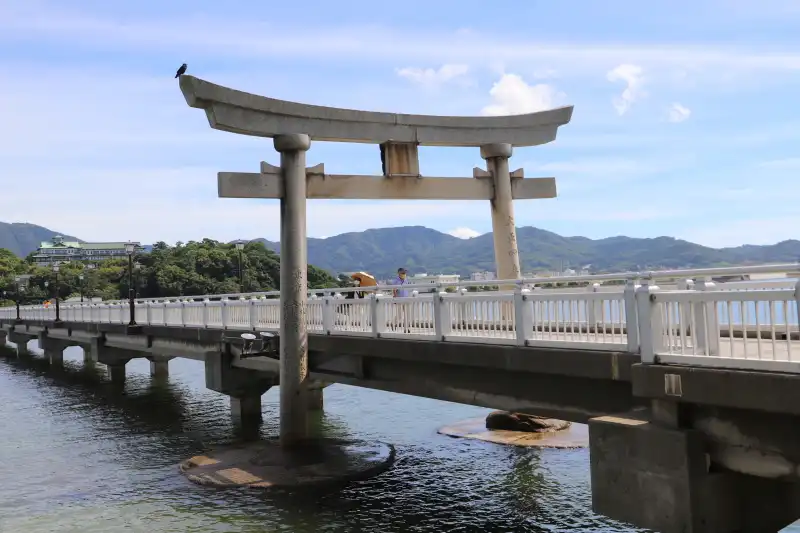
{"x":249,"y":114}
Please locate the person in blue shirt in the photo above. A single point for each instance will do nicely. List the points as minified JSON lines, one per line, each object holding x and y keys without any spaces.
{"x":401,"y":280}
{"x":401,"y":293}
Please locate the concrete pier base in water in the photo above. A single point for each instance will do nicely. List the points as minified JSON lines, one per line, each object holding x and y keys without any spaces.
{"x":267,"y":464}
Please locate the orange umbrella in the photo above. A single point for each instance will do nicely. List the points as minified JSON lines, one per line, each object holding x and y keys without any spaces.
{"x":366,"y":279}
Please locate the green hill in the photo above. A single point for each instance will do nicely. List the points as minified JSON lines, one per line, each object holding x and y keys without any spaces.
{"x":420,"y":249}
{"x":23,"y":238}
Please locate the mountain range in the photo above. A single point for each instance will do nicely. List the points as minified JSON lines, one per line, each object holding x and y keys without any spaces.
{"x":420,"y":249}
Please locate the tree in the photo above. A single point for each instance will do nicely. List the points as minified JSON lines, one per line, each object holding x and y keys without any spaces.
{"x":191,"y":269}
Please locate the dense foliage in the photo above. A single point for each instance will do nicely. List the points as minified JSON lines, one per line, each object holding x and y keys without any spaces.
{"x":194,"y":268}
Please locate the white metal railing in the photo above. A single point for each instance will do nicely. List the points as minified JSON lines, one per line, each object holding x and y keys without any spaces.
{"x":684,"y":326}
{"x":751,"y":325}
{"x":582,"y":318}
{"x":536,"y":282}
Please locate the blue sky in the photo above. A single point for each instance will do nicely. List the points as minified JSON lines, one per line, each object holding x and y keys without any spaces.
{"x":686,"y":119}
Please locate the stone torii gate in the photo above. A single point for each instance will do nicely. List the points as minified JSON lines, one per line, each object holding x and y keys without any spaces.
{"x":293,"y":125}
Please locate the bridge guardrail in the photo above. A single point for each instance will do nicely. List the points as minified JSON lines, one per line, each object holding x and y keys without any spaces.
{"x":682,"y":326}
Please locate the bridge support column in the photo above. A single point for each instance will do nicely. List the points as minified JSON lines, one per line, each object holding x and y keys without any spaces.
{"x":115,"y":359}
{"x":159,"y":367}
{"x":659,"y":477}
{"x":504,"y":230}
{"x":87,"y":357}
{"x":53,"y":350}
{"x":22,"y":343}
{"x":294,"y":284}
{"x":315,"y":396}
{"x":3,"y":337}
{"x":116,"y":372}
{"x":246,"y":410}
{"x":244,"y":387}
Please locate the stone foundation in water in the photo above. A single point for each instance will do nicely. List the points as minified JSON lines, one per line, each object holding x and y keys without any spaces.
{"x":532,"y":431}
{"x":503,"y":420}
{"x":265,"y":464}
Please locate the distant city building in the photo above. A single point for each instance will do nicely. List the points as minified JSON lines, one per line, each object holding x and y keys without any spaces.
{"x":482,"y":276}
{"x":433,"y":279}
{"x":60,"y":251}
{"x":556,"y":274}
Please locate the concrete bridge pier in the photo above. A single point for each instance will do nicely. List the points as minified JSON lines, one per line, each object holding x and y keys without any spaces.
{"x":87,"y":357}
{"x":22,"y":343}
{"x":650,"y":469}
{"x":159,"y":366}
{"x":3,"y":337}
{"x":244,"y":387}
{"x":315,"y":395}
{"x":113,"y":358}
{"x":53,"y":349}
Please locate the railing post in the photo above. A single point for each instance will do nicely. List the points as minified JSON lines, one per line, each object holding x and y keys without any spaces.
{"x":329,"y":314}
{"x":705,"y":330}
{"x":631,"y":315}
{"x":224,"y":312}
{"x":442,"y":321}
{"x":796,"y":311}
{"x":684,"y":320}
{"x":253,"y":314}
{"x":594,"y":313}
{"x":205,"y":312}
{"x":523,"y":315}
{"x":378,"y":312}
{"x":651,"y":335}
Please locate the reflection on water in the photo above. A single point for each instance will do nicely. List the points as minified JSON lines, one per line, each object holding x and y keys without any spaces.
{"x":79,"y":454}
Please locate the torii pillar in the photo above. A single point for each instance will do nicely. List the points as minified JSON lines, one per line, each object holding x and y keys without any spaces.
{"x":504,"y":230}
{"x":293,"y":126}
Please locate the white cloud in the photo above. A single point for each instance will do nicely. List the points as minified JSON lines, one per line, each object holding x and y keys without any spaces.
{"x":430,"y":76}
{"x":679,"y":113}
{"x":511,"y":95}
{"x":464,"y":233}
{"x":632,"y":76}
{"x":790,"y":163}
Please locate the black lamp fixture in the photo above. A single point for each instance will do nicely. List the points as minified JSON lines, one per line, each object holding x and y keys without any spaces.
{"x":56,"y":268}
{"x":240,"y":247}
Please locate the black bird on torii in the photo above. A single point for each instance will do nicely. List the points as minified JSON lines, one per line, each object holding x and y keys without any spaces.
{"x":181,"y":70}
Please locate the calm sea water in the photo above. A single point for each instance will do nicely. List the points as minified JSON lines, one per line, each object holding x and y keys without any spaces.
{"x":78,"y":454}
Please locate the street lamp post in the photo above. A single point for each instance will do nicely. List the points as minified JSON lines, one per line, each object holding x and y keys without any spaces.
{"x":130,"y":248}
{"x":18,"y":294}
{"x":80,"y":285}
{"x":56,"y":268}
{"x":239,"y":248}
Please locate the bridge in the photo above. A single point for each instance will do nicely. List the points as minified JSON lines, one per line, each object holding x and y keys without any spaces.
{"x":688,"y":387}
